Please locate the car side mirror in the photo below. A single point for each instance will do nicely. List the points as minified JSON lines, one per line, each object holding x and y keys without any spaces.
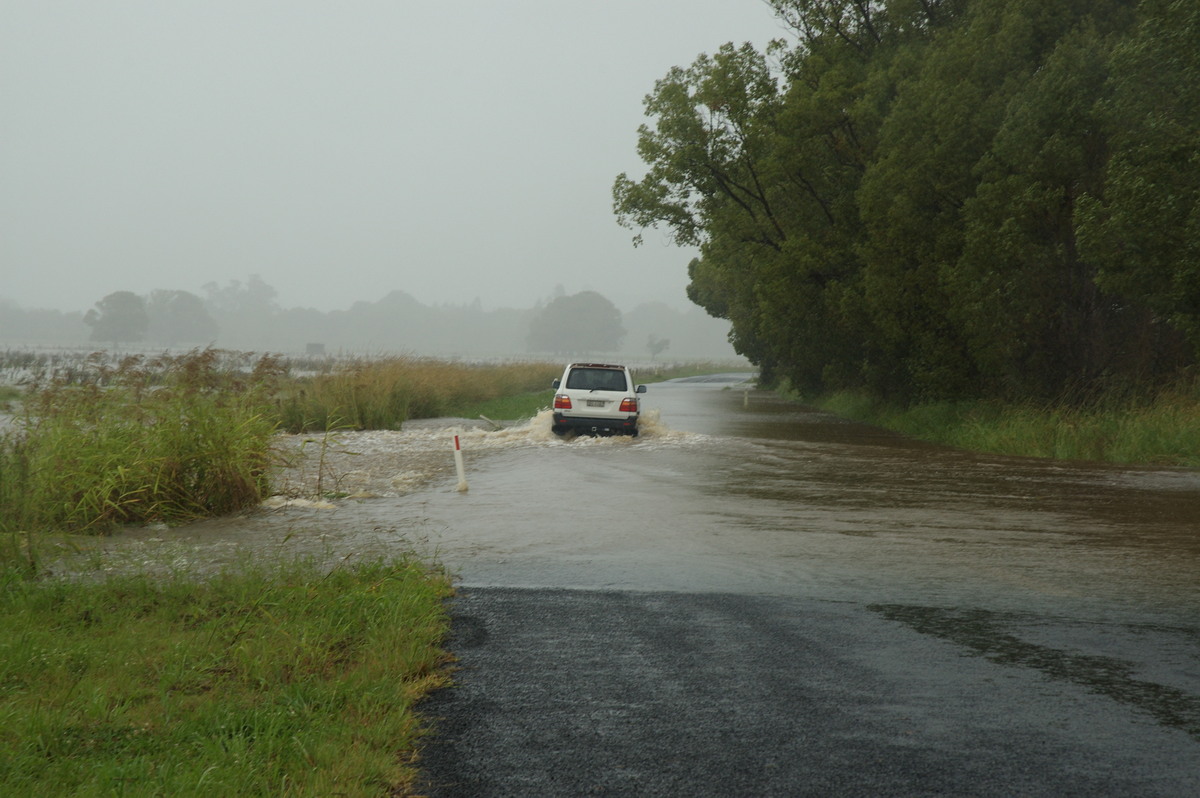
{"x":556,"y":384}
{"x":641,"y":389}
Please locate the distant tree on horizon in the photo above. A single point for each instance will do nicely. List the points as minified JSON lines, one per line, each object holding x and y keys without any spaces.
{"x":656,"y":345}
{"x":244,"y":312}
{"x":179,"y":317}
{"x":118,"y":318}
{"x":576,"y":324}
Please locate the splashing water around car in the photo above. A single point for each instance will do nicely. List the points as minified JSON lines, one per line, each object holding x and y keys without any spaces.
{"x":388,"y":464}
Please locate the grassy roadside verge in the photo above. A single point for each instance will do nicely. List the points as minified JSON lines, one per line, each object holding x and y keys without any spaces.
{"x":276,"y":680}
{"x":1164,"y":430}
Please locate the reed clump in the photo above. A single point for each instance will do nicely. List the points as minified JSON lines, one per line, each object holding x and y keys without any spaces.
{"x":167,"y":439}
{"x":384,"y":393}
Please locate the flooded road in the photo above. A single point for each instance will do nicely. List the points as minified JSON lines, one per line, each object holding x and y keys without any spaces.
{"x":771,"y":499}
{"x":735,"y":491}
{"x":960,"y":623}
{"x":729,"y":490}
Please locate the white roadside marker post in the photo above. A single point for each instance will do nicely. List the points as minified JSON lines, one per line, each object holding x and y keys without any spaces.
{"x":458,"y":465}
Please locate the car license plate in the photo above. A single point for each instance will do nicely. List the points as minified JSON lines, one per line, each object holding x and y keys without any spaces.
{"x":595,"y":403}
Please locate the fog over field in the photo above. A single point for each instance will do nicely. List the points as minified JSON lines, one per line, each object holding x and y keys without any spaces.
{"x":245,"y":316}
{"x":339,"y":152}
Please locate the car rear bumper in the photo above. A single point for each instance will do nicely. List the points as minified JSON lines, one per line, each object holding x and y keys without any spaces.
{"x":626,"y":425}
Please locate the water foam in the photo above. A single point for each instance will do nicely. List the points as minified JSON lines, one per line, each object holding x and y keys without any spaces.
{"x":391,"y":463}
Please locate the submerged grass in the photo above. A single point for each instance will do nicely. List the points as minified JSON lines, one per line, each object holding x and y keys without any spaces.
{"x":263,"y":681}
{"x":1160,"y":430}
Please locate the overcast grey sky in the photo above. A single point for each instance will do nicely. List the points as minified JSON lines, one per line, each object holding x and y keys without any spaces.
{"x":340,"y":150}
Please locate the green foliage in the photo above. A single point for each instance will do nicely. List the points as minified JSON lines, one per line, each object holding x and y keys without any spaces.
{"x":268,"y":681}
{"x":509,"y":408}
{"x":893,"y":202}
{"x":9,"y":394}
{"x":165,"y":440}
{"x":1143,"y":225}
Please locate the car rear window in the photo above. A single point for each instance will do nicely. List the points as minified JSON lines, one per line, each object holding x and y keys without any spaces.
{"x":597,"y":380}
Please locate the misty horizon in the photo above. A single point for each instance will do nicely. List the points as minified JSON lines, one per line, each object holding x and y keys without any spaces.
{"x":685,"y":305}
{"x":340,"y":152}
{"x":245,"y":316}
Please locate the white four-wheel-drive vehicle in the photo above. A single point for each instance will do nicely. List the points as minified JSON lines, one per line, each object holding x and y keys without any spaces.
{"x":597,"y":399}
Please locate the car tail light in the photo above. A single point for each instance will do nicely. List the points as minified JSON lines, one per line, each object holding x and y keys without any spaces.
{"x":562,"y":402}
{"x":628,"y":405}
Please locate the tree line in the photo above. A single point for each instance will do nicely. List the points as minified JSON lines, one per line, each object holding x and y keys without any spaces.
{"x":247,"y":315}
{"x":941,"y":199}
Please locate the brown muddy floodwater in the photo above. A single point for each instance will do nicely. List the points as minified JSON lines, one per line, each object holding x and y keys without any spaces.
{"x":726,"y":491}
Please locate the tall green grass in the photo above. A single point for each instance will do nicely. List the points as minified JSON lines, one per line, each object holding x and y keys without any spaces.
{"x":168,"y":439}
{"x":510,"y":408}
{"x":1163,"y":429}
{"x":281,"y":680}
{"x":9,"y":395}
{"x":384,"y":393}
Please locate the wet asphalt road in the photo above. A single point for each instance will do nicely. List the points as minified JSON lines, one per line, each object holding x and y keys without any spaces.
{"x":607,"y":693}
{"x":876,"y":682}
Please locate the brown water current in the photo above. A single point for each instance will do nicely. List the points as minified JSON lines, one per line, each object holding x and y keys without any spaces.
{"x":726,"y":490}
